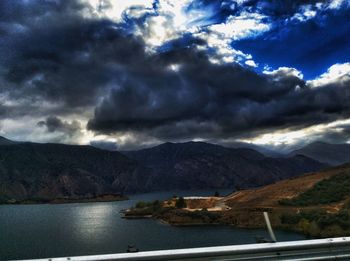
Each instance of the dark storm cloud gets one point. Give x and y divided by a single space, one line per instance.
202 99
53 54
55 124
61 57
70 64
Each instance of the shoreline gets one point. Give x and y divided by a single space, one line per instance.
215 224
66 201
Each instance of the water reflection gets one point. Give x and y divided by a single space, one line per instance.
92 221
39 231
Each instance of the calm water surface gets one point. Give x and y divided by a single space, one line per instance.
37 231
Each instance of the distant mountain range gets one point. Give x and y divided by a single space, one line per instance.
195 165
50 171
332 154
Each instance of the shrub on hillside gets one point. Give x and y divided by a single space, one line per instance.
180 203
326 191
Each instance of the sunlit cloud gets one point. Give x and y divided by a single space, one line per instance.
251 63
284 71
114 9
246 25
289 138
310 11
221 36
337 73
305 13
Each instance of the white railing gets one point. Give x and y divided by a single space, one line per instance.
303 250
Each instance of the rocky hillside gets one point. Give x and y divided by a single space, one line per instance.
332 154
194 165
50 171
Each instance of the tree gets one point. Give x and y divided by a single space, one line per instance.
157 205
180 203
142 204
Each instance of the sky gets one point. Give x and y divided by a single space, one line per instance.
129 74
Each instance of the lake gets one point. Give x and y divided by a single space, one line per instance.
38 231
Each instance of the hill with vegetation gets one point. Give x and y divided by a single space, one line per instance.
316 204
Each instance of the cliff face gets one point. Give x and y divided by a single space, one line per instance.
49 171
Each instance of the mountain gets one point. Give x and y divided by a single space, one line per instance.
4 141
332 154
54 171
50 171
263 150
198 165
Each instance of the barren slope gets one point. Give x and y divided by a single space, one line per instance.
269 196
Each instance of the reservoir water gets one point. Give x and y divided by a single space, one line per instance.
56 230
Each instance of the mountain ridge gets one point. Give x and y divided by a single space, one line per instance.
49 171
332 154
223 166
4 141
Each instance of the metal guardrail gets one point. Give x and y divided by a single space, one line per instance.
303 250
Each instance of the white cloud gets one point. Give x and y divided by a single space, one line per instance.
289 137
284 71
224 53
246 25
126 140
167 21
26 129
219 37
251 63
174 10
336 73
157 30
336 4
113 9
306 12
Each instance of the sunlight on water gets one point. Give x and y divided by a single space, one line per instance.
39 231
91 222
